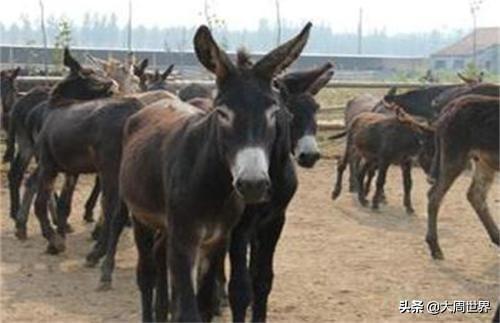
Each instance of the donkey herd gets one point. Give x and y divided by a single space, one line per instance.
200 174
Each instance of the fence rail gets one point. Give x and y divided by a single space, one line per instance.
36 80
27 82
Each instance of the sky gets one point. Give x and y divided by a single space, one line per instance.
394 16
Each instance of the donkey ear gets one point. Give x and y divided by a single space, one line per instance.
322 80
15 72
392 91
210 55
70 62
141 67
281 57
167 72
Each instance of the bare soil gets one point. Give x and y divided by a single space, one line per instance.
336 261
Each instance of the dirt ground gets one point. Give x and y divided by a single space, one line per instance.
336 261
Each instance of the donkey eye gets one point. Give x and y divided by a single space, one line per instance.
225 115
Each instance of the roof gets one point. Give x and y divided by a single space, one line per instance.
486 37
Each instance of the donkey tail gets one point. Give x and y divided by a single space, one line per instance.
436 161
338 135
11 142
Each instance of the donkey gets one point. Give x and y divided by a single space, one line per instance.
296 91
159 80
466 130
488 89
63 141
197 174
193 90
123 73
9 93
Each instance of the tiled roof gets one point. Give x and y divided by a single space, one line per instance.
486 37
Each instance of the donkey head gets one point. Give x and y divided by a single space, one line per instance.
82 83
426 135
140 72
159 80
297 91
417 102
122 73
246 109
8 86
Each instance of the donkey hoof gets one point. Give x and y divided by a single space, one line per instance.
410 211
437 255
91 260
104 286
363 202
88 217
21 234
334 195
52 250
68 228
56 245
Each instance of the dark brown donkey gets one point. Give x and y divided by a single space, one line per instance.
198 171
71 142
297 90
466 130
8 93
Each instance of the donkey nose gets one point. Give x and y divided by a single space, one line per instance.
308 159
254 190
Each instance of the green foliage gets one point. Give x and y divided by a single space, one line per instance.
62 39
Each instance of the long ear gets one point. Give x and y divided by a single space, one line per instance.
210 55
322 80
15 72
308 81
392 91
281 57
139 69
167 72
70 62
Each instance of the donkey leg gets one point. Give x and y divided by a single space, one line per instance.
338 184
381 175
183 257
477 195
447 176
262 265
46 178
92 201
110 202
208 294
369 178
118 221
360 176
161 296
144 241
64 204
27 200
352 178
407 184
240 289
15 177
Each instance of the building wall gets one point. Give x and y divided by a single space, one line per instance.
487 60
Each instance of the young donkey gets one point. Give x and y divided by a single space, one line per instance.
380 141
198 171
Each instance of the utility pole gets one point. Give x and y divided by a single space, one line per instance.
278 22
474 8
129 31
360 32
44 35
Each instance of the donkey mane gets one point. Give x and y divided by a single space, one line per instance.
243 58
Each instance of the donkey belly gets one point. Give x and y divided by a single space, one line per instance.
77 159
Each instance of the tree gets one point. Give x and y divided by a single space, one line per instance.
62 39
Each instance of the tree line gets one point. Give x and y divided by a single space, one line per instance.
103 30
